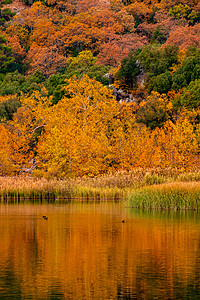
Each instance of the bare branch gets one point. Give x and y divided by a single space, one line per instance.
37 128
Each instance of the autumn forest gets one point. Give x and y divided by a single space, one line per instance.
89 87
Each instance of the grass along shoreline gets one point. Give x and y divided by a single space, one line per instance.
163 189
113 186
20 188
171 196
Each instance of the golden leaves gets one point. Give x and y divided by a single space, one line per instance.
88 133
76 134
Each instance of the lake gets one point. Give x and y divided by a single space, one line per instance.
84 251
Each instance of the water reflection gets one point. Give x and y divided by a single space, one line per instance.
84 251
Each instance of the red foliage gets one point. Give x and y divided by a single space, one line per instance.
45 59
185 37
118 46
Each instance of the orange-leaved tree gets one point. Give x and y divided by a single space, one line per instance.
176 145
7 151
78 135
27 124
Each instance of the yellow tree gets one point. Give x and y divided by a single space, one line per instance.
176 145
77 138
138 147
7 163
27 123
184 144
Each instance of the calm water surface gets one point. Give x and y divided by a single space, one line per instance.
84 251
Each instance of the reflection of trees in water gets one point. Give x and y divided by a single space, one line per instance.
152 277
83 255
33 249
154 280
197 264
135 292
55 292
10 283
192 289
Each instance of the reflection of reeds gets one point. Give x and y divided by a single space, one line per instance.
112 186
174 195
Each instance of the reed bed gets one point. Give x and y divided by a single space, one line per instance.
111 186
172 196
20 188
133 179
16 188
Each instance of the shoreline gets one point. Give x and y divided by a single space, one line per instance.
147 189
167 196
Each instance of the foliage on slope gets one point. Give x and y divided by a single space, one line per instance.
59 114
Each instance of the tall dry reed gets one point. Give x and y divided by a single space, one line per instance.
18 188
109 186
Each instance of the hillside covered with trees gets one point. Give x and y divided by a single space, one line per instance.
89 87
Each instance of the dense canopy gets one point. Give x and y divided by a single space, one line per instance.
90 87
